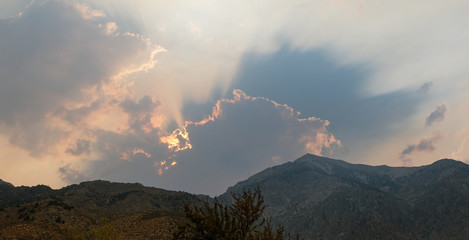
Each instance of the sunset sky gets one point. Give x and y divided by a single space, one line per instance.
198 95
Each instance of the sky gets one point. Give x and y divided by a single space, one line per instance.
198 95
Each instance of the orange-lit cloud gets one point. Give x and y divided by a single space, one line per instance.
141 151
178 140
162 166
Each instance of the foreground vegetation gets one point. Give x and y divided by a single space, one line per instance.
241 220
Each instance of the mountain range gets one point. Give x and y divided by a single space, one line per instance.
318 197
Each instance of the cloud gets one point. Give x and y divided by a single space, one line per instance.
58 67
425 88
400 48
314 84
241 136
81 146
79 84
392 48
11 8
143 114
424 145
436 116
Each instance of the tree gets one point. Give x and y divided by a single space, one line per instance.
241 220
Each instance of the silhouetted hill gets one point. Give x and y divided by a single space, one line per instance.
323 198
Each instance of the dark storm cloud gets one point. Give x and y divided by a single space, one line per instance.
436 116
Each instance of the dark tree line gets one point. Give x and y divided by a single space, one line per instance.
241 220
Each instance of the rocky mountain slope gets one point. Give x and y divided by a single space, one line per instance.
323 198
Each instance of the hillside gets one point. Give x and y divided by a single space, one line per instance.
91 210
323 198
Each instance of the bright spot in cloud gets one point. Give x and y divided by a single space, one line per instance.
178 140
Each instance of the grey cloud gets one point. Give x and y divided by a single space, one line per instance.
118 159
141 112
76 115
48 55
244 135
126 156
318 86
425 88
436 116
425 145
241 136
35 138
145 104
81 146
72 175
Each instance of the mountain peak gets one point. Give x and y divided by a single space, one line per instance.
448 162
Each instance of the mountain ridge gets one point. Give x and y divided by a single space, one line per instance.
324 198
318 197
